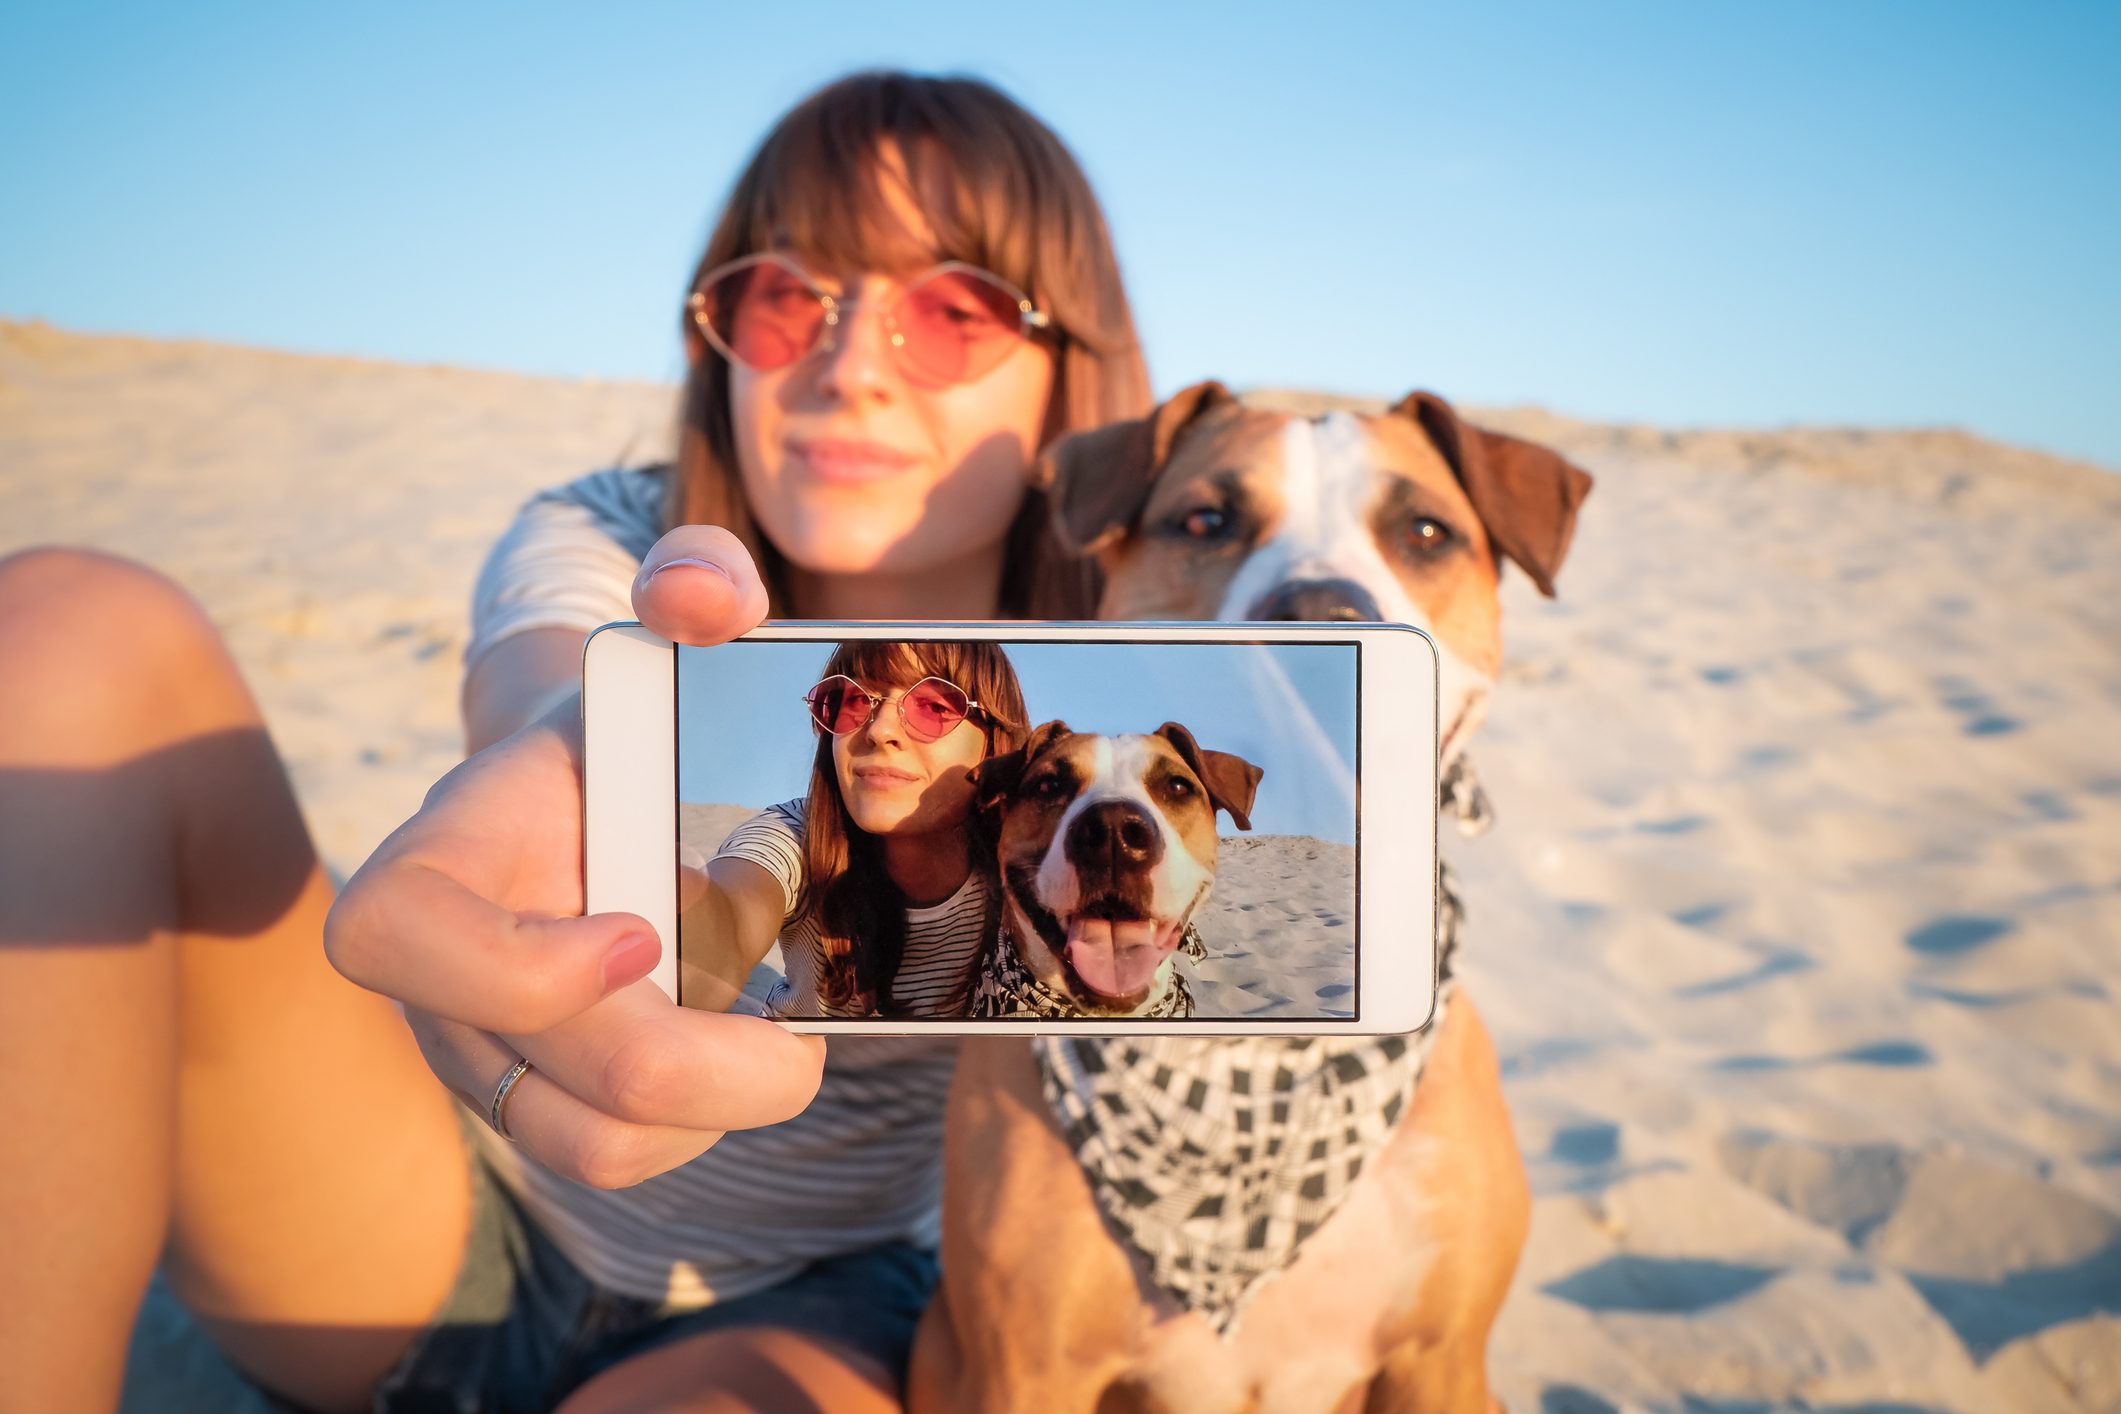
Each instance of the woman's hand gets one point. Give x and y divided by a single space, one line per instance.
469 915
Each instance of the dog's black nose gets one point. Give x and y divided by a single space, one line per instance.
1116 835
1316 601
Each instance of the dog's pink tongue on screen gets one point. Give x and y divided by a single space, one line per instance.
1117 959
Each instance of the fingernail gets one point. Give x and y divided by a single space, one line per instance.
695 563
630 959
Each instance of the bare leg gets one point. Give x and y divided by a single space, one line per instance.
747 1370
178 1061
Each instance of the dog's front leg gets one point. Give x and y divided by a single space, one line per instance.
1475 1198
1039 1309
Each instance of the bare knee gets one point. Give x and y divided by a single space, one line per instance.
94 644
54 590
745 1370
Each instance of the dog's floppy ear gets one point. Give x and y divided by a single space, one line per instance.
1524 494
994 779
1231 780
1098 480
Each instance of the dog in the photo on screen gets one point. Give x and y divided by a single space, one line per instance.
1107 850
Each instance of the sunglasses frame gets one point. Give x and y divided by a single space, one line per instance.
876 706
1030 319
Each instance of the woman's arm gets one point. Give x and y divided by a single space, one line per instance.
517 681
732 911
733 914
682 591
469 914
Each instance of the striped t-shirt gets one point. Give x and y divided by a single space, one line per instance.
863 1164
941 940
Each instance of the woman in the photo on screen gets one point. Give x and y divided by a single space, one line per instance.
879 882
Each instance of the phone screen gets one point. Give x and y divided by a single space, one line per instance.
952 828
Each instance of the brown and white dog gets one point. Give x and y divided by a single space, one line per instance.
1212 509
1107 850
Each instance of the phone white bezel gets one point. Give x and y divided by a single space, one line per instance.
630 831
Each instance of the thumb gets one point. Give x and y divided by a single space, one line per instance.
698 585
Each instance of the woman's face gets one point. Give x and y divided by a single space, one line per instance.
852 468
891 782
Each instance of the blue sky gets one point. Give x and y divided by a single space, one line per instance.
1885 213
1287 708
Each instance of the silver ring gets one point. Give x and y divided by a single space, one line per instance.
501 1092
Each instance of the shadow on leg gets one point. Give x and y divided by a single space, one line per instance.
182 1065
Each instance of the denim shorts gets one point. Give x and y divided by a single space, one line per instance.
523 1327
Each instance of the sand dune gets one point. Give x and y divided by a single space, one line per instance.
1278 930
1797 928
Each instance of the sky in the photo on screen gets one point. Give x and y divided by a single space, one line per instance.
744 736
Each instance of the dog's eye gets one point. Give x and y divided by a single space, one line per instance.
1209 523
1425 534
1178 788
1046 787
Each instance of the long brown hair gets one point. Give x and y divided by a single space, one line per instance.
1000 191
845 880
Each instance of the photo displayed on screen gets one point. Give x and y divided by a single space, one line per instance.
1019 830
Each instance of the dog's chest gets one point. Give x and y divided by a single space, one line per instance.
1319 1329
1215 1160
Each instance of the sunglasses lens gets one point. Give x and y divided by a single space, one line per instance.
957 326
932 707
838 706
762 315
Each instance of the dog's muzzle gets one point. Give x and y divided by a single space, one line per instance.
1316 601
1114 839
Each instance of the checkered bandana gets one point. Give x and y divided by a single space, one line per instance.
1215 1157
1008 987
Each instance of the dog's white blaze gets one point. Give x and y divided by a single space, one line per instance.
1329 478
1328 482
1119 769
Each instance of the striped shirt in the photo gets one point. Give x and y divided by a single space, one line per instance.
941 941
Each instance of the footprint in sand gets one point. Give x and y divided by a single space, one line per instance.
1781 963
1957 933
2048 806
1851 1188
1767 758
1676 825
1586 1144
1894 1054
1978 710
1666 1286
1978 1001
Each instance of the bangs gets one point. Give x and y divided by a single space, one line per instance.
981 669
838 183
878 663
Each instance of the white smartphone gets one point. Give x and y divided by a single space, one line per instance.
1100 828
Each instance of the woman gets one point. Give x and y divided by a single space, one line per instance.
879 883
311 1207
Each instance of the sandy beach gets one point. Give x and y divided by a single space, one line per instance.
1799 927
1278 930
